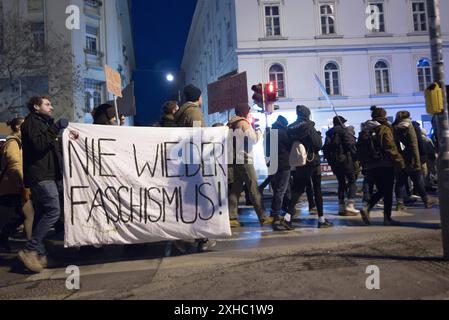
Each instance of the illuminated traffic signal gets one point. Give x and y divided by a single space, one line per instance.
271 92
258 94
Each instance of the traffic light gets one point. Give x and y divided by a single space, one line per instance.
258 94
271 92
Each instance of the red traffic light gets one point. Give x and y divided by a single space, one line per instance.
271 92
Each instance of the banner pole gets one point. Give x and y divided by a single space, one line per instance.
116 111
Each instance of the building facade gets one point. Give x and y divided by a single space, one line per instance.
94 32
365 52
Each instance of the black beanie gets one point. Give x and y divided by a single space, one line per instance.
242 109
378 112
303 112
281 120
103 113
192 93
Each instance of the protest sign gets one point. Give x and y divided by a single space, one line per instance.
113 81
126 185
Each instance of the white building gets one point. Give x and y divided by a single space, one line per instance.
104 37
288 41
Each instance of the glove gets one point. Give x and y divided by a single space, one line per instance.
62 123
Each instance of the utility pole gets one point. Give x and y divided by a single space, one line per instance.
442 119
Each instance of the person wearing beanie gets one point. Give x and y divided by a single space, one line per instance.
190 114
241 167
303 131
407 143
169 110
340 152
104 115
280 181
381 171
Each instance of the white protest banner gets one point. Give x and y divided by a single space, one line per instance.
126 185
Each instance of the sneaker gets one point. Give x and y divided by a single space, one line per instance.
401 207
267 221
313 212
235 224
282 225
429 203
44 261
351 210
391 223
324 225
206 244
365 216
31 261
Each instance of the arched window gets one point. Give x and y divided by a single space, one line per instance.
424 74
277 75
332 79
382 73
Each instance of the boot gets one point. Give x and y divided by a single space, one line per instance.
401 207
365 214
429 203
351 210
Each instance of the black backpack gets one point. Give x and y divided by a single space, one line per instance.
368 146
333 149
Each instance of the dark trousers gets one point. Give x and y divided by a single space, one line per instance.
280 183
310 197
418 182
368 188
346 182
300 178
383 179
14 201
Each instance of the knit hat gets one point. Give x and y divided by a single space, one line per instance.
378 112
303 112
281 120
242 109
103 113
192 93
339 120
402 115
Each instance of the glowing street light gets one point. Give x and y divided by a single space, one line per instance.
170 77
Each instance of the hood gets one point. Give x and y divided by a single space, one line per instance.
371 124
404 124
184 107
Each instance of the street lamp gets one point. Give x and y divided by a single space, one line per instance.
171 78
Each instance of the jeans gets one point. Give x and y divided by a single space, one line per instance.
418 181
245 174
300 178
383 178
47 207
280 183
346 182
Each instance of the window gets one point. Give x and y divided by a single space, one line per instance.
93 94
380 10
382 74
332 79
38 32
327 17
277 76
92 40
272 21
35 6
419 16
424 74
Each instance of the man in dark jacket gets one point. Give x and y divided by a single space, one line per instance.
280 181
190 114
303 130
43 174
381 171
342 160
408 145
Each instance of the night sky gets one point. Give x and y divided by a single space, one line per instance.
160 33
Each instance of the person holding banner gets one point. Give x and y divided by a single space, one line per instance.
43 174
104 115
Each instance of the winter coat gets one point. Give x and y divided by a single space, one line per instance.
348 146
188 114
41 150
407 144
284 146
12 170
168 121
305 132
241 128
391 155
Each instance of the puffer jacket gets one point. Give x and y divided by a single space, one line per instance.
242 129
12 169
305 132
407 144
391 155
188 114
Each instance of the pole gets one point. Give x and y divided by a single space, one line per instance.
442 123
116 111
